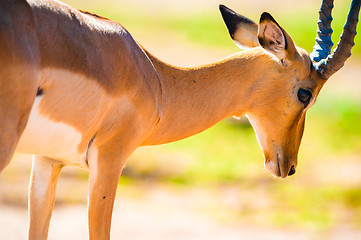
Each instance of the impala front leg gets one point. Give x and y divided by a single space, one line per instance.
44 177
105 171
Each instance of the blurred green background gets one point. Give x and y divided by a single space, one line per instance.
321 201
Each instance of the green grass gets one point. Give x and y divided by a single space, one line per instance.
340 130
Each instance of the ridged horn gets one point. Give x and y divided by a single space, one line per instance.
325 63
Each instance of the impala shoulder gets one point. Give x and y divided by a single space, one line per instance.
13 12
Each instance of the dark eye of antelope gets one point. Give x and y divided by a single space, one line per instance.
304 96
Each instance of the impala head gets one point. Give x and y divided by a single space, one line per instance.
288 78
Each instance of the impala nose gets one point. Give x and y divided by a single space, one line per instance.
292 170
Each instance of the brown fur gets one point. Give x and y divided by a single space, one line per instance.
98 80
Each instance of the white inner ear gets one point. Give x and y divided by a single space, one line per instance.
277 42
275 34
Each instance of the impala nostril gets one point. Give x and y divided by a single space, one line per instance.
292 170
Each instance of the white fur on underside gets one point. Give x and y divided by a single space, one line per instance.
48 138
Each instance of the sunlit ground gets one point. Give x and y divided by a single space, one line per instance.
214 185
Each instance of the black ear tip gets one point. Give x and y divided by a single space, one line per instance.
225 9
266 17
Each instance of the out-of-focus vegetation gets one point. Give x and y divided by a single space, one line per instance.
324 194
207 27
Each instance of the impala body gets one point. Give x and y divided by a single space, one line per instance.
78 90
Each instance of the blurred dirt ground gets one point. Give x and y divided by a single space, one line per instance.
158 212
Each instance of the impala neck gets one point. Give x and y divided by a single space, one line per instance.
195 99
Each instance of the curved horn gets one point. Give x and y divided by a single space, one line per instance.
324 43
325 63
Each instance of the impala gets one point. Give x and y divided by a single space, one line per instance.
78 90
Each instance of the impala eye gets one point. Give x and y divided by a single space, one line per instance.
304 96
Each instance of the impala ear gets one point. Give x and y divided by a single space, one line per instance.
274 39
242 30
